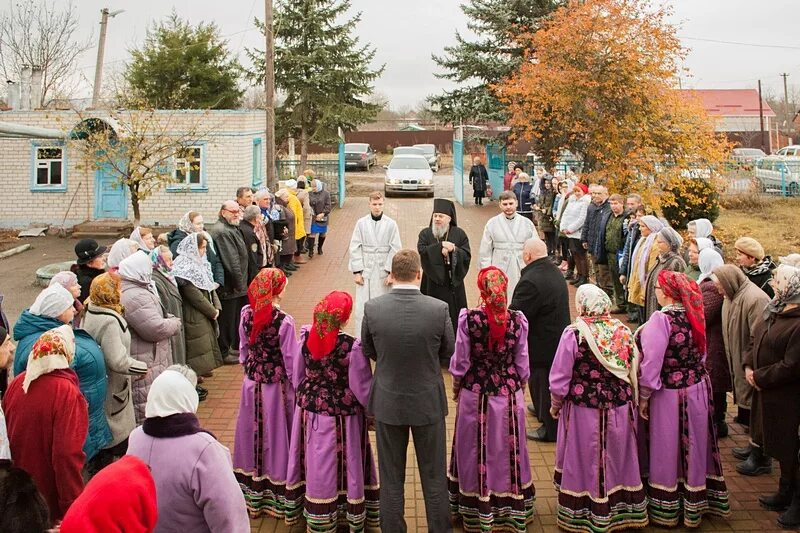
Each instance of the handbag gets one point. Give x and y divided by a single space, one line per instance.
489 191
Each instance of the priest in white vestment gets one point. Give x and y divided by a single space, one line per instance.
504 238
375 240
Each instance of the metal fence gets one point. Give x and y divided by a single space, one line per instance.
326 170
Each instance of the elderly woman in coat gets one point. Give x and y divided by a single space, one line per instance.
716 358
170 296
742 310
103 320
121 250
52 309
668 243
772 367
69 280
150 328
643 258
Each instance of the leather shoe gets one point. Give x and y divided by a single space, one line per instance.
231 360
539 435
532 409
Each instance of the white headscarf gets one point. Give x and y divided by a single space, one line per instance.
291 184
791 260
136 236
646 243
192 267
139 268
703 243
709 259
171 393
52 301
53 350
121 250
703 228
65 278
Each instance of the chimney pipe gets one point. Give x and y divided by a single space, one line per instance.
36 88
13 95
25 89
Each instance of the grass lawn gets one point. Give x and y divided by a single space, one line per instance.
774 222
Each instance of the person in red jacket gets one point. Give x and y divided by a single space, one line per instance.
47 419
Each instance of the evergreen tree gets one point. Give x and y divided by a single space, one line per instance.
321 70
183 66
494 56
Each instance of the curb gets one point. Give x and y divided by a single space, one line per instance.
14 251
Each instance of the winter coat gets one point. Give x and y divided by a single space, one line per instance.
692 271
631 239
171 304
636 286
574 216
85 276
320 202
196 488
255 252
760 275
288 243
740 315
150 334
775 360
546 201
175 237
669 261
88 364
523 190
46 428
614 237
200 327
233 255
302 196
297 209
594 229
716 359
111 332
479 179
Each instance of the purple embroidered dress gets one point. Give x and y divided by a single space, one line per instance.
684 474
596 471
332 479
489 477
263 428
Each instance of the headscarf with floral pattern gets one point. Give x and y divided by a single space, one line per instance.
265 286
106 291
609 339
683 289
493 286
330 315
54 350
786 283
160 263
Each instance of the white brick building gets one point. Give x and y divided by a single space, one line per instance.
45 181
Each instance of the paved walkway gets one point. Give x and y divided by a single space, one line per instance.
329 272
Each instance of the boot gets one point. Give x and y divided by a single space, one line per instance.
755 465
321 242
780 500
310 246
743 452
742 416
569 276
791 518
722 429
582 280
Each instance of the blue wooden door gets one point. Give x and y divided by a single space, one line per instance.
495 166
458 170
110 196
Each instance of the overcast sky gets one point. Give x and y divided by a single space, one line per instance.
406 32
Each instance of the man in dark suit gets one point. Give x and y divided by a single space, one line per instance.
407 334
542 296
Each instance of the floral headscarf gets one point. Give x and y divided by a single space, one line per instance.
53 351
330 315
185 223
493 286
608 338
646 243
683 289
191 266
106 292
786 283
265 286
160 264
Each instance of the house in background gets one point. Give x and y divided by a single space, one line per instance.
45 182
736 114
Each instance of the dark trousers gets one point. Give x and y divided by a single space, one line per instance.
539 383
228 321
300 246
550 241
616 286
563 243
429 445
579 254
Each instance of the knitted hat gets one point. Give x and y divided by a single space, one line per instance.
751 247
583 187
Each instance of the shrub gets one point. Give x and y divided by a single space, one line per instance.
686 199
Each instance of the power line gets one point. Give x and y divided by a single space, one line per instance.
739 43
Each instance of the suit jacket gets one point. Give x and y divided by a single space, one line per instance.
407 334
542 296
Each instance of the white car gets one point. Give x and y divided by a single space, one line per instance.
776 172
408 174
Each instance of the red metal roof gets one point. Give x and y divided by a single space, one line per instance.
730 102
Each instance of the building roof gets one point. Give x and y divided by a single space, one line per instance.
730 102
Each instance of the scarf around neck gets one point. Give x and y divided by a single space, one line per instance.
172 426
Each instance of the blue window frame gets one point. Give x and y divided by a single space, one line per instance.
189 168
258 162
48 166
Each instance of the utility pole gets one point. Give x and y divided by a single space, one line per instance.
101 51
269 90
761 118
786 118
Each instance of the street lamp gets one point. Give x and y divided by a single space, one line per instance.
101 50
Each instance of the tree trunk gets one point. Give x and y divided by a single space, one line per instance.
135 205
303 147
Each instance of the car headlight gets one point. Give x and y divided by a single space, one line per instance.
425 181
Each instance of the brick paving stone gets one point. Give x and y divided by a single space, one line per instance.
329 272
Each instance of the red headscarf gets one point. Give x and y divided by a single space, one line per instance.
493 285
265 286
329 316
683 289
121 497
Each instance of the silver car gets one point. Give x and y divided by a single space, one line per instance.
409 174
431 154
775 172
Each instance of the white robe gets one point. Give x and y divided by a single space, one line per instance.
372 248
502 244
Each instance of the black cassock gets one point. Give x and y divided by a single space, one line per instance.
441 280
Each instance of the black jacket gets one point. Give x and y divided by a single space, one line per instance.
175 237
542 296
594 229
233 255
85 276
255 254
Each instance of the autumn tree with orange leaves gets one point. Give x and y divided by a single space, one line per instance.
601 83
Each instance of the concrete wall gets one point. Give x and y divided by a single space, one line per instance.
228 164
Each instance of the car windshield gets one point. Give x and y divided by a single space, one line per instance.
408 163
407 150
427 149
355 147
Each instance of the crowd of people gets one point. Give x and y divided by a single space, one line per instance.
98 427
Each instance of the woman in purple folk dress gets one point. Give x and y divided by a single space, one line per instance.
490 482
267 348
332 479
593 387
684 471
